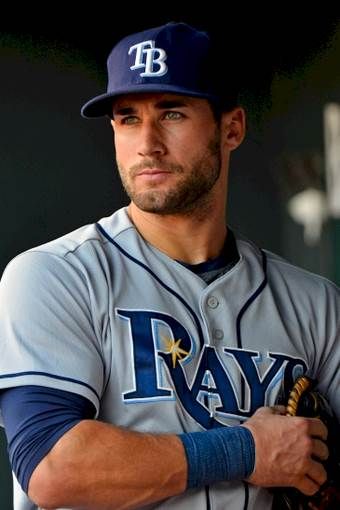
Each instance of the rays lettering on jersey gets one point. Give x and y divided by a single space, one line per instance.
209 394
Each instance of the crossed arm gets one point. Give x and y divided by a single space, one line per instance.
99 466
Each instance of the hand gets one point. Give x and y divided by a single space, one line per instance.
288 450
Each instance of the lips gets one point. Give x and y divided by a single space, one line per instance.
153 176
152 171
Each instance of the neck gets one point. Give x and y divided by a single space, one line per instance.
191 238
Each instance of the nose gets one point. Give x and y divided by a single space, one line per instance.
151 142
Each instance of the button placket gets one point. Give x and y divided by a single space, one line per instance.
218 334
212 302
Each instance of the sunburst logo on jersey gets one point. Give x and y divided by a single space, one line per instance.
173 347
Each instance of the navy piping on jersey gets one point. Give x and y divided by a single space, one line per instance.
250 300
51 376
207 497
246 495
166 287
242 312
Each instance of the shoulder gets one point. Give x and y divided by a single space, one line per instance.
285 277
282 270
73 251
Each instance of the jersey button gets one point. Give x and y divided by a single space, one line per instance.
212 302
218 334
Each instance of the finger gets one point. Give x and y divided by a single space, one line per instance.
317 428
307 486
317 472
319 449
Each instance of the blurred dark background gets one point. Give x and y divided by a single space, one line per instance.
57 170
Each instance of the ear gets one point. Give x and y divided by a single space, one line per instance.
233 128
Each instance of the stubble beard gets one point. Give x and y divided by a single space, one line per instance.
191 192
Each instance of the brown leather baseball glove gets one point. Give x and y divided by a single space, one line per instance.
305 400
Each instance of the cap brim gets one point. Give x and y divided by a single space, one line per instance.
101 105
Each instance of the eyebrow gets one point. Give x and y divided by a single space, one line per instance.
171 103
165 104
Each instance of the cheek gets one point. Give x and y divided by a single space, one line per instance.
124 152
194 141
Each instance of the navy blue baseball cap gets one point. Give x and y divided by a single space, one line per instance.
173 58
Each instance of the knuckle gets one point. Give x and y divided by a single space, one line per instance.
304 465
302 426
306 446
316 422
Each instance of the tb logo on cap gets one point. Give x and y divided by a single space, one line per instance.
153 57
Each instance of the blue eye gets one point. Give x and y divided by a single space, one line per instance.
131 119
173 115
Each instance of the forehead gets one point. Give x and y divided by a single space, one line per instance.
158 101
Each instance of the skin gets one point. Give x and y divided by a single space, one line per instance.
173 159
177 143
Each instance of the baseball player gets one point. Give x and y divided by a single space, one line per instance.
141 356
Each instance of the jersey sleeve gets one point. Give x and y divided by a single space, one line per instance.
47 333
328 348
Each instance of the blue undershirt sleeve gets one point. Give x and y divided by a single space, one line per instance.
35 417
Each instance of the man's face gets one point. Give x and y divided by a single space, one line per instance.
168 151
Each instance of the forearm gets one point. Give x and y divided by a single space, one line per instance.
99 466
65 457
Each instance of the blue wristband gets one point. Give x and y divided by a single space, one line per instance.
225 453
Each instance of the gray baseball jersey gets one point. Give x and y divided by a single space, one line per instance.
102 313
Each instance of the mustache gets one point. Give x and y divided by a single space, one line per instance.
153 163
